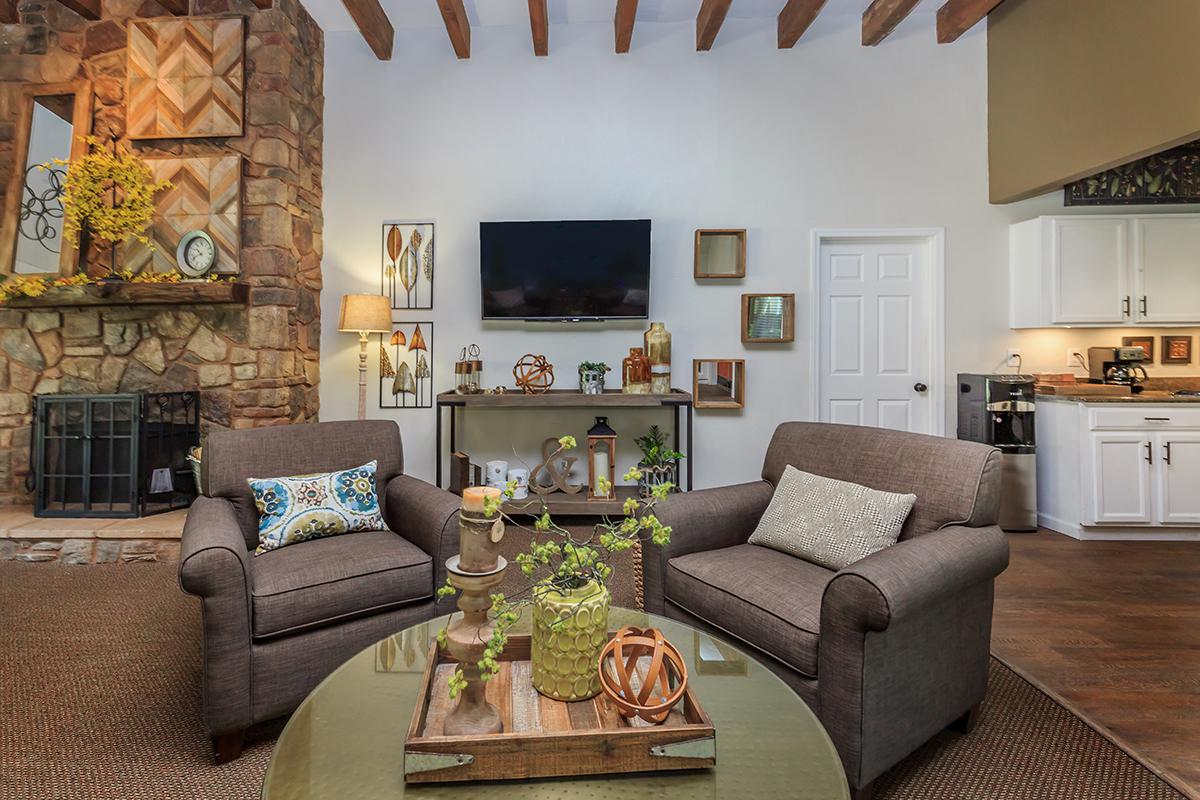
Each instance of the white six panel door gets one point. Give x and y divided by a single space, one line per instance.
874 334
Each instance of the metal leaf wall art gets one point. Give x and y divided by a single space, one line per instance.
407 264
406 366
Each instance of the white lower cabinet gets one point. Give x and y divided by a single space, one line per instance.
1178 467
1121 478
1106 470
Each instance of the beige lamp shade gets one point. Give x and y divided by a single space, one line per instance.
365 313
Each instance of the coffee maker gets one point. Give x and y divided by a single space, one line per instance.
999 410
1121 366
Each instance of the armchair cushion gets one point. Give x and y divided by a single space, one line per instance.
303 507
333 579
768 599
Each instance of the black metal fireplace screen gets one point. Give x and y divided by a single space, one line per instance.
114 455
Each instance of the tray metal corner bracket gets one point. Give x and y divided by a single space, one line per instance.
692 748
429 762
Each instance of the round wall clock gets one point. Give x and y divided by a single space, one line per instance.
196 254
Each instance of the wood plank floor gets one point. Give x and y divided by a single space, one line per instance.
1111 630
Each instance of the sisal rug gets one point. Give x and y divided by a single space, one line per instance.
99 700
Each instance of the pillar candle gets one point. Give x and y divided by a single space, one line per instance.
600 465
473 497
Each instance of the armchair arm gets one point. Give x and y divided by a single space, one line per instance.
426 516
897 582
904 642
706 519
214 563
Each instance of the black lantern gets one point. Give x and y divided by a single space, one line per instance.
602 457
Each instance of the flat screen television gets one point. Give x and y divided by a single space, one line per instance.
565 270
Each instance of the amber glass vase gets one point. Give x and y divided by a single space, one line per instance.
635 372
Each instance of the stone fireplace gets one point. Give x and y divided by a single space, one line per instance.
253 353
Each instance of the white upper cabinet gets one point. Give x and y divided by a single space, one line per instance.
1105 271
1166 259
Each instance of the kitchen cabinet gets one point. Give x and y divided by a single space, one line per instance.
1105 271
1130 470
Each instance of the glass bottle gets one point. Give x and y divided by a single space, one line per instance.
658 353
635 372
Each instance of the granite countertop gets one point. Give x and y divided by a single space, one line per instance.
1148 396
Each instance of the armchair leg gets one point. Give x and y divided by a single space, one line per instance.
967 722
864 792
227 747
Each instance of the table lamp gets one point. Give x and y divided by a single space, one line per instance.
364 314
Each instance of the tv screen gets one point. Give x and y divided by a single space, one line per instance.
565 270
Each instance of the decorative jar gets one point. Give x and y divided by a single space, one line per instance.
635 372
570 627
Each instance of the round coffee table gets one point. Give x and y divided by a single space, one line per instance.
347 737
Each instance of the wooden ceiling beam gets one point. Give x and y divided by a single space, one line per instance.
458 27
957 17
882 17
709 21
539 26
262 5
374 25
88 9
623 23
794 20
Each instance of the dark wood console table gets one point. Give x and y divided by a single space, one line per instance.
679 401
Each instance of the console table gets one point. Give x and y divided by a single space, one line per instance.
679 401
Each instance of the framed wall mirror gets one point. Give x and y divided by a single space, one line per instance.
718 383
720 254
53 120
768 318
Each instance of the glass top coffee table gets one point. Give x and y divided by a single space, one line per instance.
347 738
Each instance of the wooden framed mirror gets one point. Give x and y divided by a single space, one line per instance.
53 121
720 254
768 318
718 383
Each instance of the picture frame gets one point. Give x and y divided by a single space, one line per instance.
408 264
1177 349
719 254
1144 342
768 318
406 365
719 383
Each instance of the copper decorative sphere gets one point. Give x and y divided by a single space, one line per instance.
661 686
533 374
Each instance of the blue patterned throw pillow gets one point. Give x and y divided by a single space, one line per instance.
306 507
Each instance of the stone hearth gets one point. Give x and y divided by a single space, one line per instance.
24 537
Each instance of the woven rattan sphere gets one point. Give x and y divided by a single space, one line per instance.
662 683
533 374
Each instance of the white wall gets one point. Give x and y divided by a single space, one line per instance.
827 135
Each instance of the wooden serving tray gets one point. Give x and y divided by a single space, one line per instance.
544 737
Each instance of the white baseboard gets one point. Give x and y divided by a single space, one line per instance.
1117 533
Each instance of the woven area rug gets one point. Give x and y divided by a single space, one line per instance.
99 699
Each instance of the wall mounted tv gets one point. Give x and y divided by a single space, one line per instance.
566 270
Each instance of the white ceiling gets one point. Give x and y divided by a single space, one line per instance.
331 14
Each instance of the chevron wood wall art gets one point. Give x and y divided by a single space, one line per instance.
206 194
186 77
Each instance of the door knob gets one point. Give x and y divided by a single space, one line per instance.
920 387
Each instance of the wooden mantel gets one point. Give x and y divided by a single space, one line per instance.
128 294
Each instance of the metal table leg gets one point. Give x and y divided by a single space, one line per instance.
691 450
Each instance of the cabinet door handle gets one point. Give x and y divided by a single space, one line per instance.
1142 305
1157 419
1125 306
1149 453
1167 456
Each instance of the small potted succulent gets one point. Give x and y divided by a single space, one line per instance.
659 463
591 377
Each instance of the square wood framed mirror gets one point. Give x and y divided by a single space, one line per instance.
53 121
718 383
720 254
768 318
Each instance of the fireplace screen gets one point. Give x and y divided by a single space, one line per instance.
116 455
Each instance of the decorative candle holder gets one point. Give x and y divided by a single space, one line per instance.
475 572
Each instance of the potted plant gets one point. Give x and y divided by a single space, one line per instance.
591 377
567 591
659 463
108 196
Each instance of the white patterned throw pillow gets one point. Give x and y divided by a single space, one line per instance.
306 507
830 522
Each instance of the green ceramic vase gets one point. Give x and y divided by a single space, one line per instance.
569 629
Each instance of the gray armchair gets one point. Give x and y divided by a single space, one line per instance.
275 625
889 650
